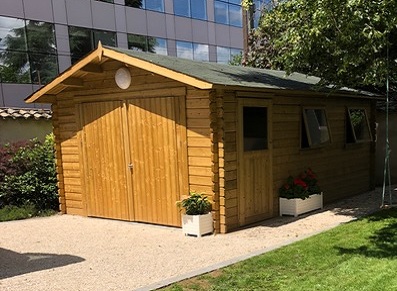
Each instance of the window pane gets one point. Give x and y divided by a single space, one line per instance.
199 9
184 50
255 128
156 5
221 12
134 3
237 2
106 38
14 67
80 42
41 37
359 124
43 67
222 55
200 52
160 47
181 7
316 126
235 15
12 34
137 42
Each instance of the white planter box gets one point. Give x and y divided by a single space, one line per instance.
298 206
197 225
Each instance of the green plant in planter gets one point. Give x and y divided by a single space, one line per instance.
195 204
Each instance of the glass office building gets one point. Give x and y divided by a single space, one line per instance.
41 38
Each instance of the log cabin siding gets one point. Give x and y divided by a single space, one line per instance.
228 166
68 156
342 169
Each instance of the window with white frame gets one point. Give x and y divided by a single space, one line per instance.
315 130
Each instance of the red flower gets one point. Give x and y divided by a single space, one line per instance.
299 182
286 186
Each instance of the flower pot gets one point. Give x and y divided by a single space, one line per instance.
197 225
299 206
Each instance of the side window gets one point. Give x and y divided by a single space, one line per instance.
315 129
357 126
255 128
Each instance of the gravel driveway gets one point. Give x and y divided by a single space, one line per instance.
66 252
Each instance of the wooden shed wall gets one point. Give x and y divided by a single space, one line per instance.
343 169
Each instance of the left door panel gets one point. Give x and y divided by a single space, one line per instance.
105 168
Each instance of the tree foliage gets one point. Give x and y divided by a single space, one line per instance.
344 42
27 174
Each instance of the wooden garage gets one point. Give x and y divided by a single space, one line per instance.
233 133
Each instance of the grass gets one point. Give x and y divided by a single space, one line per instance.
361 255
8 213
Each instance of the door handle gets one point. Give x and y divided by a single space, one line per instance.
130 166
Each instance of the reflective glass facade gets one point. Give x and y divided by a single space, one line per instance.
228 12
37 42
28 52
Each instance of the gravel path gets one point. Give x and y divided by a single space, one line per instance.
66 252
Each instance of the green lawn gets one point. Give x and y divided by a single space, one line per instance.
361 255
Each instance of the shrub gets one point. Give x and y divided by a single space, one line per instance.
27 174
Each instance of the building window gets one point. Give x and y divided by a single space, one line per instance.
83 40
191 8
147 44
192 51
155 5
134 3
315 130
255 128
28 51
107 1
357 127
225 55
228 12
200 52
184 50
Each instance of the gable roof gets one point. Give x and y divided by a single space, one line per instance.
202 75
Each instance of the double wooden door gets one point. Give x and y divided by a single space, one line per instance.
134 157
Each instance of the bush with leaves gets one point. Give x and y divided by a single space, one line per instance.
27 174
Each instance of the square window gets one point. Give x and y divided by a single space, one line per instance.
255 128
160 47
357 127
41 37
155 5
182 8
315 131
235 15
199 9
222 55
137 42
184 50
200 52
221 12
134 3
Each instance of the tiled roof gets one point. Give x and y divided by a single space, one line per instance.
15 113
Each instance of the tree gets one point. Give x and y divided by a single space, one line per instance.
344 42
